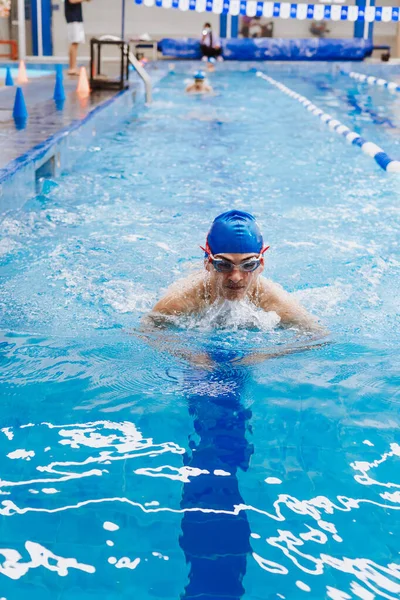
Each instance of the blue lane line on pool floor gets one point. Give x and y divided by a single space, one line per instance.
371 80
350 99
369 148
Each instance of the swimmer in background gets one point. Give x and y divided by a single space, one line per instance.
233 264
199 85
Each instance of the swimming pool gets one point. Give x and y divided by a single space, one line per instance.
128 472
32 71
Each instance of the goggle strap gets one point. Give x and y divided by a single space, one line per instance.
265 249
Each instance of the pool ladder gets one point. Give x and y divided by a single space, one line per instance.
144 76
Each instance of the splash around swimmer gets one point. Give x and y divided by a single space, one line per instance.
233 266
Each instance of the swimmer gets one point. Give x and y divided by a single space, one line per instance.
199 85
233 266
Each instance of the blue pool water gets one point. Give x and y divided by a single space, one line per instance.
32 72
129 472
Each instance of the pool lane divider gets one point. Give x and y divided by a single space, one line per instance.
373 150
371 80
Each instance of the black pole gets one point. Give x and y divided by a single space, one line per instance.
123 21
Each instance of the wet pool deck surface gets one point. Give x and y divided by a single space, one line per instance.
44 119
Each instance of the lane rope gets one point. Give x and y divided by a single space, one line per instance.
371 80
369 148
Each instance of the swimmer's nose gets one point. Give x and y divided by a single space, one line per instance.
235 276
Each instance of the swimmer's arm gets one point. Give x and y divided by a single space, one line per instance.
174 304
275 298
186 301
267 354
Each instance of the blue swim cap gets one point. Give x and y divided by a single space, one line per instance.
235 231
199 75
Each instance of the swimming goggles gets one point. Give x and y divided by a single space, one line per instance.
222 265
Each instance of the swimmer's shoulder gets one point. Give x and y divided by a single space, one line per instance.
268 293
271 296
185 296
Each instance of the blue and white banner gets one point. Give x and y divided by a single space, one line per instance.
282 10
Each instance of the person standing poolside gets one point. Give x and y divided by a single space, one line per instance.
199 85
75 31
210 44
233 264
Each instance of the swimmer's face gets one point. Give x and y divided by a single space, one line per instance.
199 83
236 284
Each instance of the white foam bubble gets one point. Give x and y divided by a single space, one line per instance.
273 480
109 526
127 296
7 432
221 473
303 586
24 454
233 316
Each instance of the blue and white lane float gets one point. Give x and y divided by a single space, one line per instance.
369 148
371 80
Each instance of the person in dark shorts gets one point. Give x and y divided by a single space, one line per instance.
210 43
75 31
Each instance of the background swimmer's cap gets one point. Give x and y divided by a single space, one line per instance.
235 231
199 75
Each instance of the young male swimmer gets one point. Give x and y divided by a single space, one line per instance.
199 85
234 262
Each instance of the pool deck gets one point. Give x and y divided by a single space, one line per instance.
44 119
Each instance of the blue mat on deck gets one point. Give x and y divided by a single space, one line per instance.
273 49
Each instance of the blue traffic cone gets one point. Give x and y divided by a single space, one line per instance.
59 93
9 79
59 104
59 71
20 112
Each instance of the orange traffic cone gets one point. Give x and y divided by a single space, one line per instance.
83 89
22 76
